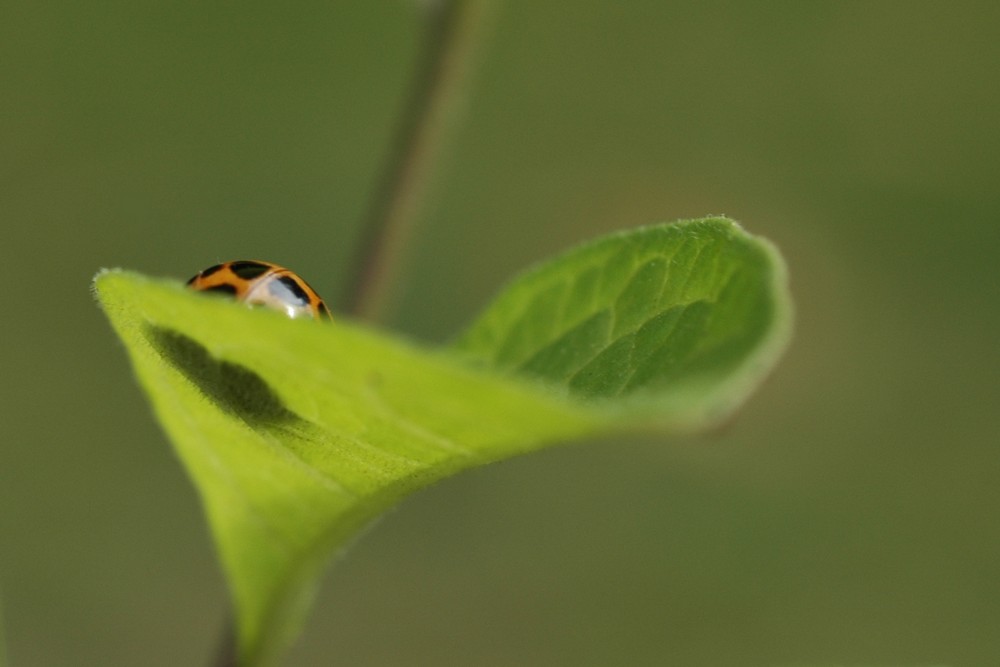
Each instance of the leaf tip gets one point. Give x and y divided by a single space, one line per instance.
101 275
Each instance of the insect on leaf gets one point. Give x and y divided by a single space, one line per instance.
298 433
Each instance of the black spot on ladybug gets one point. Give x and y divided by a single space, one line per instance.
204 274
210 270
285 284
248 270
223 288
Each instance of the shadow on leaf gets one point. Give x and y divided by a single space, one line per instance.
233 388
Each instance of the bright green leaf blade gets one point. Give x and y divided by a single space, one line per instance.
675 323
297 433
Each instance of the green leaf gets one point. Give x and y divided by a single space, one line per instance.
671 323
298 433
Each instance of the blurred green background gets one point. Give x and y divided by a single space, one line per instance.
847 516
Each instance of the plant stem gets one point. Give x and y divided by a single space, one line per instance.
226 652
440 84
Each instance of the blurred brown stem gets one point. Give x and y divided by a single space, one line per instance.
226 651
453 34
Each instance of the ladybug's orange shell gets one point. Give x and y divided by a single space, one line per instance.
254 282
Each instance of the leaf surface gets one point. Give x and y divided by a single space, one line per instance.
298 433
674 323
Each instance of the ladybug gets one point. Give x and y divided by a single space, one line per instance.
263 283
